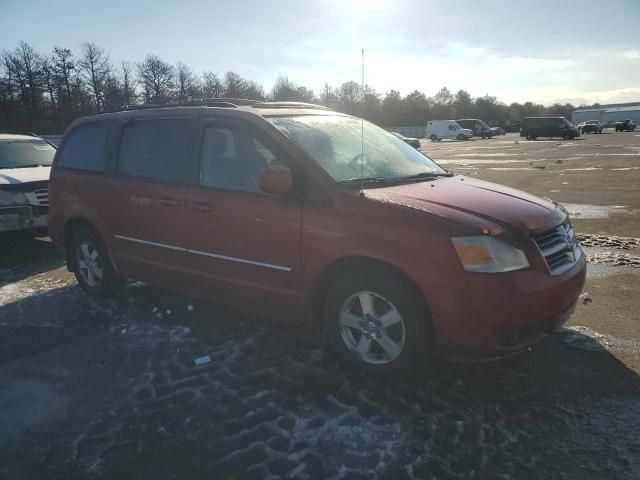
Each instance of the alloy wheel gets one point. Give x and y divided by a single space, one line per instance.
89 264
372 328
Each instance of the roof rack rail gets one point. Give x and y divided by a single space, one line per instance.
202 102
288 105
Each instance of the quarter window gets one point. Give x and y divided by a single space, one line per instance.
85 148
232 158
158 149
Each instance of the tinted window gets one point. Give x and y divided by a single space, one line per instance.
85 148
232 158
25 153
156 149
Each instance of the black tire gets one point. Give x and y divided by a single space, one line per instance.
433 137
110 282
460 137
418 350
529 137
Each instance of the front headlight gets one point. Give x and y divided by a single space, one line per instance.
487 254
13 198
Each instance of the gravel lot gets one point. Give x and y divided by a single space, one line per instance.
108 389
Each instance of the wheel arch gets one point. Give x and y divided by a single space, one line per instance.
348 264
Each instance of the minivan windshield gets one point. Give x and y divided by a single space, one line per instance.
25 153
335 143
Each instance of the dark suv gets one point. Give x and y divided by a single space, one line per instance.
477 126
318 217
625 125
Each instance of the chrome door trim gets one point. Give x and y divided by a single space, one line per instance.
154 244
241 260
206 254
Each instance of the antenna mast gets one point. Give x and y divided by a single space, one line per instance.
362 129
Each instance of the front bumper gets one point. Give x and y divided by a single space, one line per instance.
498 314
22 217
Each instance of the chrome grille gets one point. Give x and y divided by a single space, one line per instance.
42 197
559 247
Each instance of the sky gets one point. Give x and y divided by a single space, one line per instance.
543 51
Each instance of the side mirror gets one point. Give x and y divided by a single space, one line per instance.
276 180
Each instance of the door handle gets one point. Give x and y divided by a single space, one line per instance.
169 202
202 206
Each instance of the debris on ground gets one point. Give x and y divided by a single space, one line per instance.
202 360
559 161
585 298
123 331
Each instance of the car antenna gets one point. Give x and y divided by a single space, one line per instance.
362 130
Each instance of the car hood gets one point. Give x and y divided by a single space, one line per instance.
475 203
14 176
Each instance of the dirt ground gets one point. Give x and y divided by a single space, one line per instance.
107 388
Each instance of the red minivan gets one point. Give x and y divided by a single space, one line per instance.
318 217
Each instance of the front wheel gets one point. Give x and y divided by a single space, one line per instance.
92 266
460 137
377 325
433 137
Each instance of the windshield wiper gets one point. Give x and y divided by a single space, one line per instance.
356 180
424 175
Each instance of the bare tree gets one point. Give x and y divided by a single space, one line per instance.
128 86
212 87
285 89
63 67
253 90
156 77
96 68
186 83
234 85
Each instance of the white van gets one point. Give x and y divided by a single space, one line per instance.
439 129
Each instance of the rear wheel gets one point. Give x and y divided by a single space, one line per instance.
377 325
92 266
433 137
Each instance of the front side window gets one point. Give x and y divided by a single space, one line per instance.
85 148
157 149
336 144
232 158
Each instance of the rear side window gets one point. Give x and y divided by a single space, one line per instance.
85 148
158 149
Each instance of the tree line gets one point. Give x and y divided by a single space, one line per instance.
44 91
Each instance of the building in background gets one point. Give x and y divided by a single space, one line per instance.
608 116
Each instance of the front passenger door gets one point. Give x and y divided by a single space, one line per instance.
243 243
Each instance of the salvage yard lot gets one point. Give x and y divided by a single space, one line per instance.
93 388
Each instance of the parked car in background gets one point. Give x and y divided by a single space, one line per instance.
414 142
25 162
497 131
592 126
534 127
626 125
477 126
319 218
449 129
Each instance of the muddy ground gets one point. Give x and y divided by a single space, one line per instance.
108 389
